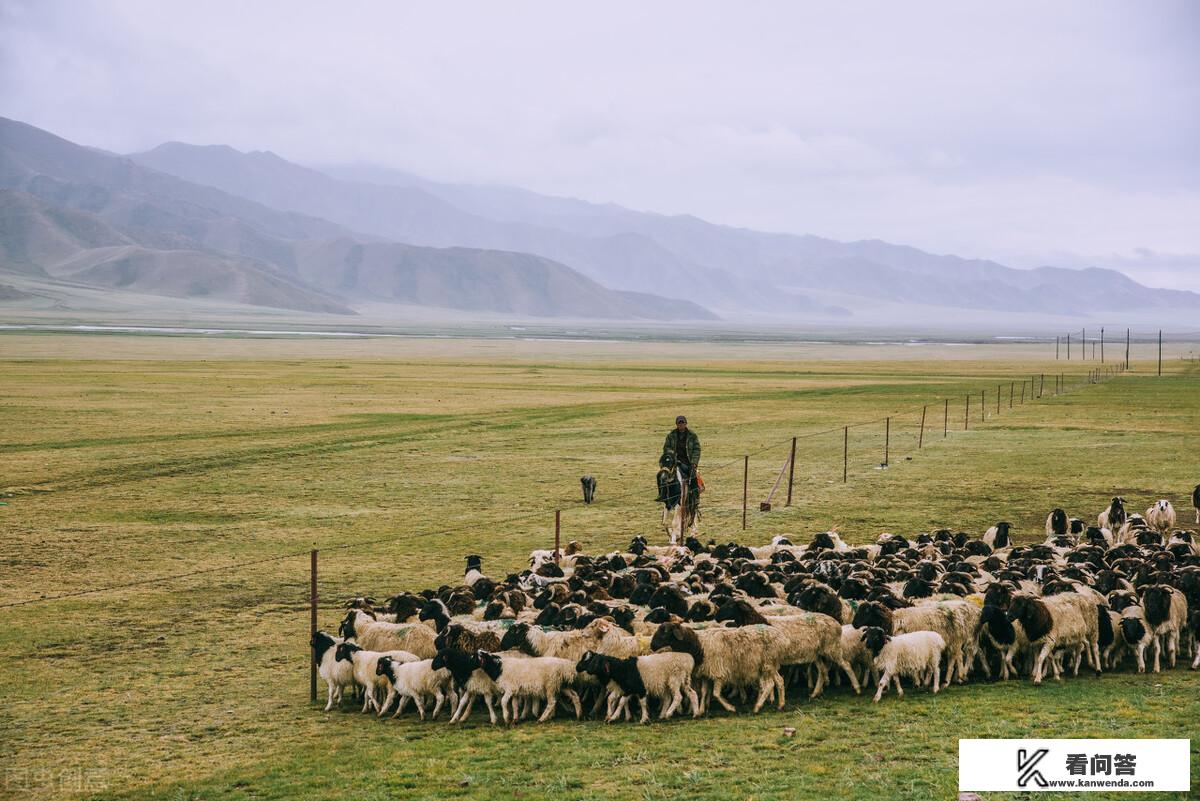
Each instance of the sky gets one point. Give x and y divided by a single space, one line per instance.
1063 133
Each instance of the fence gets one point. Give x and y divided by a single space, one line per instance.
991 401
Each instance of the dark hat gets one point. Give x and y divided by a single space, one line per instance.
681 419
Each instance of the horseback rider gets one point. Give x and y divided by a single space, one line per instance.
683 444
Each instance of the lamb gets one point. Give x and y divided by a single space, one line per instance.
371 635
810 638
415 679
916 654
1070 620
336 675
737 657
1166 614
957 621
364 665
665 677
539 678
1114 516
1161 516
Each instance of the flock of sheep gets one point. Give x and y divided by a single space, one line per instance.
679 627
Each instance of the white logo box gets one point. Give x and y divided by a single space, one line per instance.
1075 765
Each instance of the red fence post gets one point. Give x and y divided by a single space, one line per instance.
312 625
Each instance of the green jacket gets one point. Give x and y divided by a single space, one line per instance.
692 445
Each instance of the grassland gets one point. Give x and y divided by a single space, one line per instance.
129 457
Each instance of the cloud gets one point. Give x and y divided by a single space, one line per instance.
1020 131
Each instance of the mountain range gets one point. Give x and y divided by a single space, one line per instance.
191 221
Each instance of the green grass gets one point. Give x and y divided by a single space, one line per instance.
128 457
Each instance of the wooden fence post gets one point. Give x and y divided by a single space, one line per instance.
946 420
1102 345
998 386
983 405
967 414
745 488
1041 385
845 454
558 532
312 624
887 439
791 471
921 436
1011 385
1126 348
1160 352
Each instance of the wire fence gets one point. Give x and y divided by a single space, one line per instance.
956 414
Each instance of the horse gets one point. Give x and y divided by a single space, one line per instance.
679 493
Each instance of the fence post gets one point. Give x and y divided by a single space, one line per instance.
921 436
967 414
1056 340
1041 385
745 488
998 386
1022 390
887 439
1160 352
1068 347
845 454
1126 348
1083 344
312 624
983 405
946 420
1011 385
557 534
1102 345
791 471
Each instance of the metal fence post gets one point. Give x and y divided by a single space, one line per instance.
312 625
791 471
745 488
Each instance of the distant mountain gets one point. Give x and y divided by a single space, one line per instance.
74 214
423 213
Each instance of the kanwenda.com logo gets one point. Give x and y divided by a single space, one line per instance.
1089 783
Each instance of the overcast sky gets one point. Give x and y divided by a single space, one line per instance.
1031 133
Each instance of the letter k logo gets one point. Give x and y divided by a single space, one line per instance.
1026 763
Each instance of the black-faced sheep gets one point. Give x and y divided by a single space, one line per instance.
916 654
539 678
415 679
665 677
734 657
372 635
1070 621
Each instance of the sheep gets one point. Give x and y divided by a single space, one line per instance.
1114 516
916 654
1137 634
999 535
1161 516
1196 503
614 642
665 677
336 675
371 635
414 679
1069 620
855 654
456 635
957 621
1006 636
1056 524
1166 614
540 678
364 664
536 641
740 656
810 638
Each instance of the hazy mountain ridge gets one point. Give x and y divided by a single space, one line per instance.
71 213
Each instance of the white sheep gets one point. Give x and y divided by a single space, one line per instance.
337 675
1161 516
372 635
539 678
417 680
917 655
365 664
665 677
1069 620
746 656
